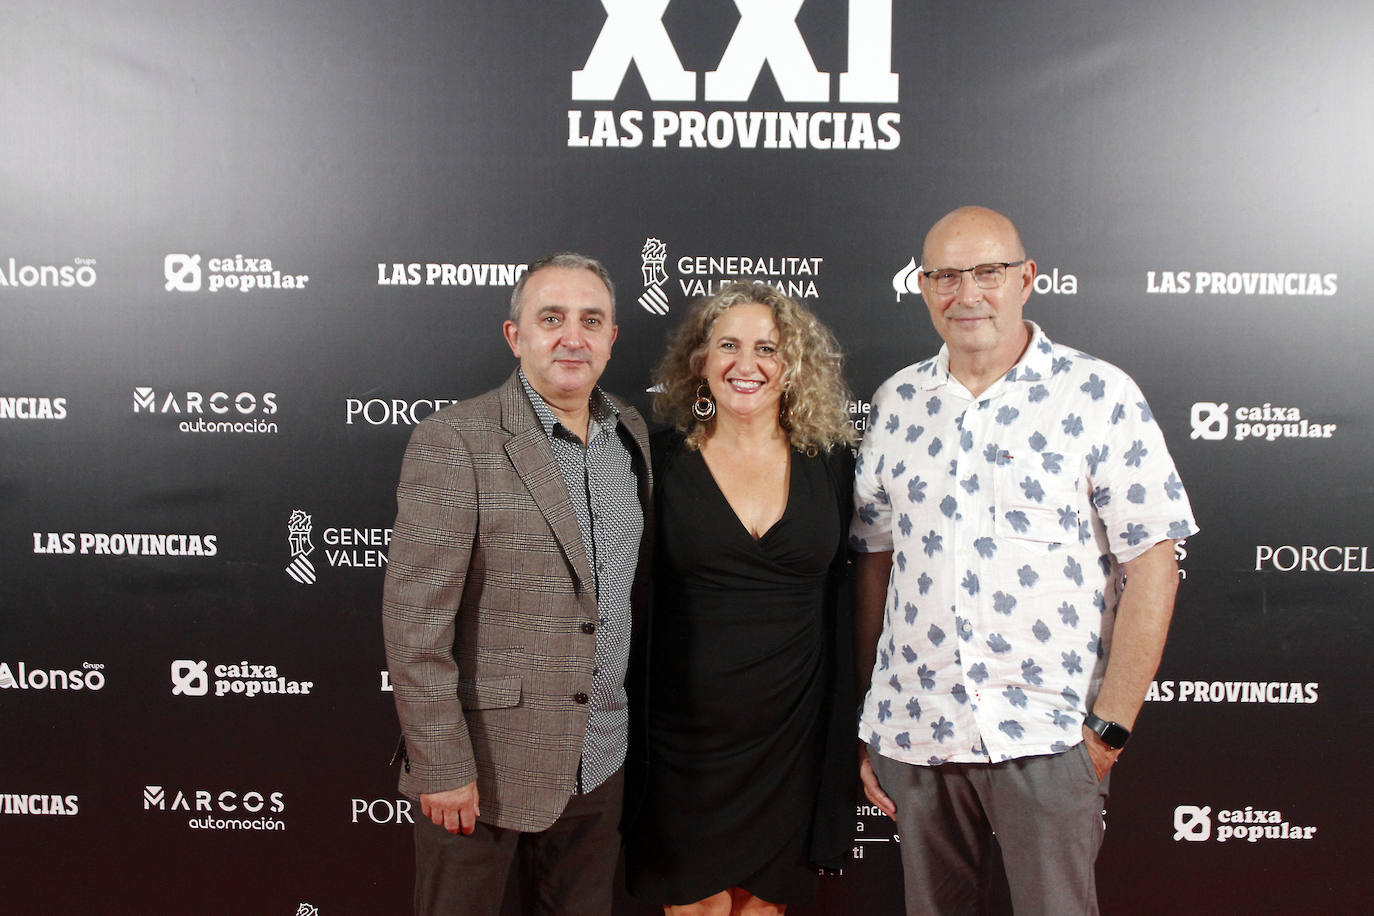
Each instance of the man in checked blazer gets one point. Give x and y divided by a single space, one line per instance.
514 613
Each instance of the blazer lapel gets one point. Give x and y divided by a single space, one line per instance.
532 457
633 422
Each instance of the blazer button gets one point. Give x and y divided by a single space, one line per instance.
589 627
580 697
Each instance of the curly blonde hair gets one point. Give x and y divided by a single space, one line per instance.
815 399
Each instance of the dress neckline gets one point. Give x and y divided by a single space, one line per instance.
739 522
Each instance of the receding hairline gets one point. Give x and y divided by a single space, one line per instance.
563 260
972 216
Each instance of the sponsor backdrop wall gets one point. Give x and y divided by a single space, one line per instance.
243 249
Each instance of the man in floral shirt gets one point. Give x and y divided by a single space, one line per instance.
1007 490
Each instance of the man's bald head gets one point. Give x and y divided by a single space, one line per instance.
971 223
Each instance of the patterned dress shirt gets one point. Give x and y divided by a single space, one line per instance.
1009 516
604 490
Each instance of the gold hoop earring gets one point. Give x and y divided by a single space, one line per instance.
704 407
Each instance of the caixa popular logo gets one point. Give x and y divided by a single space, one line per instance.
1048 282
192 678
346 547
765 32
1199 824
1212 422
190 273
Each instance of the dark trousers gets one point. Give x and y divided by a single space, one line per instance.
1047 812
566 870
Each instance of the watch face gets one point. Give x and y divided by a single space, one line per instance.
1114 736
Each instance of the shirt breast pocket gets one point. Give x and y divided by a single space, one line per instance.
1038 507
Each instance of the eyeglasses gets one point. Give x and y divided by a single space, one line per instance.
988 276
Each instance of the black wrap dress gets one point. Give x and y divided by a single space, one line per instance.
749 691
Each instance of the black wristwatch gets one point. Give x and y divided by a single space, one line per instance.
1113 735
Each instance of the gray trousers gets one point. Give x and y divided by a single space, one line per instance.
566 870
1047 812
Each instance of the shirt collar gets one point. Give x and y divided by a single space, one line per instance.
1034 365
604 413
1037 363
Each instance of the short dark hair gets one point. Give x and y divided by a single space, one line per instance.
567 260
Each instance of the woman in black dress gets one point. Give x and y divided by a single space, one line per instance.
750 739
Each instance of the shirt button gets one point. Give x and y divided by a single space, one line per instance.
588 627
967 627
580 698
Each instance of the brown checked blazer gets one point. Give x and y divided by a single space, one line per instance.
487 590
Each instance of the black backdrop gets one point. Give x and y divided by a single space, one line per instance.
1191 179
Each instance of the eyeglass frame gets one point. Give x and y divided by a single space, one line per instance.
1003 265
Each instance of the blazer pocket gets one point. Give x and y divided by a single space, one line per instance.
490 692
